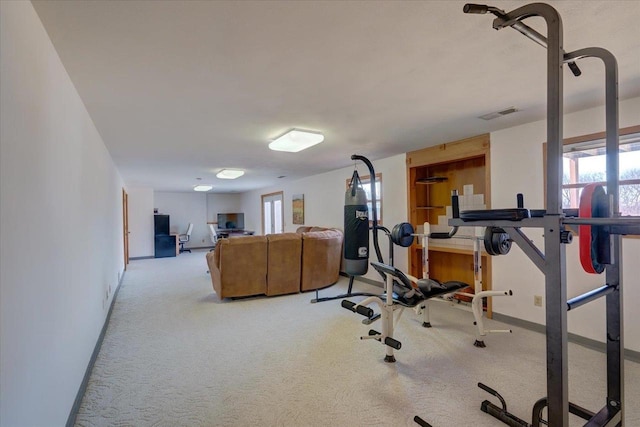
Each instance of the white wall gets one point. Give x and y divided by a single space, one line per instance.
516 166
184 208
141 205
222 203
61 245
324 202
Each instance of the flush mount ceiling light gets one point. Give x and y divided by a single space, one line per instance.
229 174
202 187
296 140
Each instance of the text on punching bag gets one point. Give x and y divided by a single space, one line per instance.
363 251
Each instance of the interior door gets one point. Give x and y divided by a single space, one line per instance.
272 213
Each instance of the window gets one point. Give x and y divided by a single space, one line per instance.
585 162
366 185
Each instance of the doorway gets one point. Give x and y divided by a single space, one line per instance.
272 213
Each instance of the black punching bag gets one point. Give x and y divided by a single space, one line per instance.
356 228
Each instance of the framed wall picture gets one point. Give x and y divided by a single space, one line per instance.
298 208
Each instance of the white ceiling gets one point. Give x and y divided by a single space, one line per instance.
181 89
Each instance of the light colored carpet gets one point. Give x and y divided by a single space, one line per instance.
175 355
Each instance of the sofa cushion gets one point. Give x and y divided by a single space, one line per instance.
284 255
241 265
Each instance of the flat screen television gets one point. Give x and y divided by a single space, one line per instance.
231 221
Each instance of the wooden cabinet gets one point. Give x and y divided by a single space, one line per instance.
432 174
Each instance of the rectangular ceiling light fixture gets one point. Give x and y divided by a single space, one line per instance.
296 140
230 174
202 187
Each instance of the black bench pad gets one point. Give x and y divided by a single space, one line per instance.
406 295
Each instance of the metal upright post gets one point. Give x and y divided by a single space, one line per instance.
613 276
615 315
553 261
556 275
554 250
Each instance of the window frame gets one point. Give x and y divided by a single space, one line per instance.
582 139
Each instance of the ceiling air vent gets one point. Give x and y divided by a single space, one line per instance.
497 114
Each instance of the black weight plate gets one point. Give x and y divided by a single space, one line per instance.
501 242
496 241
402 234
488 237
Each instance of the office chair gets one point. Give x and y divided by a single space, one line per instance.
184 238
213 235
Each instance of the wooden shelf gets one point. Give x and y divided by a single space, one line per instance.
451 166
431 180
451 249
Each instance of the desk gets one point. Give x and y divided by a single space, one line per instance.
177 242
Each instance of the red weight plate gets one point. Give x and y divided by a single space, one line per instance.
585 211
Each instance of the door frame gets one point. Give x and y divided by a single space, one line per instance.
125 226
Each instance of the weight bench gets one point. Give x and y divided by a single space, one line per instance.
405 294
401 293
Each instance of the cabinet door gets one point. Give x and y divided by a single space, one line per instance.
165 246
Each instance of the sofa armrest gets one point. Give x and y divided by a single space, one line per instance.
214 271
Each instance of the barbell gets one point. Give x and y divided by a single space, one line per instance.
496 240
402 234
595 245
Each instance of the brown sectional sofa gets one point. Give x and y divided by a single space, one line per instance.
276 264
